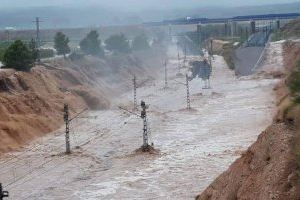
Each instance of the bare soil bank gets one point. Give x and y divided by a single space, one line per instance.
269 168
32 103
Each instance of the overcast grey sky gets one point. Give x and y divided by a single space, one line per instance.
138 4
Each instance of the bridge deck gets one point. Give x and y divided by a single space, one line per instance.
225 20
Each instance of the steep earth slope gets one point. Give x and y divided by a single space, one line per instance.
32 103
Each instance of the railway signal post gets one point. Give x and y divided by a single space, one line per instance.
188 100
135 107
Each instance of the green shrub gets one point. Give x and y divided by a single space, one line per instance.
18 56
118 44
91 44
61 44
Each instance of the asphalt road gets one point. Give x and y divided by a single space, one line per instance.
245 60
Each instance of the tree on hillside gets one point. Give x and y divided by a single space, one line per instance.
91 44
118 44
294 84
61 44
140 42
18 56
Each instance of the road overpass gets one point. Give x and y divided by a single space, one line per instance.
247 18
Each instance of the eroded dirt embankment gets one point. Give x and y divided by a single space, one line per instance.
269 168
32 103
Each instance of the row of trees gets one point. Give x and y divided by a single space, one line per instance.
92 45
21 56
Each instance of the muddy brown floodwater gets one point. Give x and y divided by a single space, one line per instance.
195 146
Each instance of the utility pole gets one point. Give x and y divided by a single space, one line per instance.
211 46
211 54
166 74
188 100
135 107
67 121
3 194
37 24
145 146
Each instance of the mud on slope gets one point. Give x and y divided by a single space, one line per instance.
32 103
265 171
269 168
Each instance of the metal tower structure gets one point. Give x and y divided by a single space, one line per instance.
38 40
188 100
135 107
145 126
67 122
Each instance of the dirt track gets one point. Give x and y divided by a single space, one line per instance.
195 146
